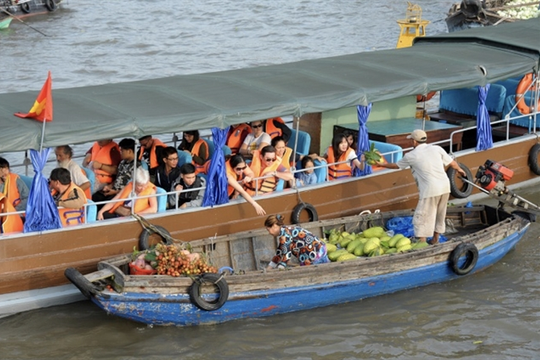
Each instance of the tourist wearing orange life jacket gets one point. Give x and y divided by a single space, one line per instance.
13 187
124 173
236 136
122 207
103 157
237 170
64 159
9 223
197 148
340 152
68 196
257 140
276 127
150 152
265 163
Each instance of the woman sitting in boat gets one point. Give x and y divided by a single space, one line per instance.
146 205
283 152
341 158
257 140
197 147
294 240
237 170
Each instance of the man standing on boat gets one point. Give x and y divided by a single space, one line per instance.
428 163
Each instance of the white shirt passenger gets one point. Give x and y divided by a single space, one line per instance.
253 143
428 163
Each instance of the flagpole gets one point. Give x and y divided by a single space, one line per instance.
42 135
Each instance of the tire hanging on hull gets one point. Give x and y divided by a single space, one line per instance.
471 253
219 283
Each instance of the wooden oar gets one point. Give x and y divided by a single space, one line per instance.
31 27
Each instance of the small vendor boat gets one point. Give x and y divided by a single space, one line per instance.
25 8
242 288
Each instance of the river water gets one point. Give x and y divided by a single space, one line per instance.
491 315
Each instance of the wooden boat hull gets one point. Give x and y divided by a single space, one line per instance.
164 300
37 260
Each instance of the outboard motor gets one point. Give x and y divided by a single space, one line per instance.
492 177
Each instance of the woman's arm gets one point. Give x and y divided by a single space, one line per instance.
108 206
152 209
236 186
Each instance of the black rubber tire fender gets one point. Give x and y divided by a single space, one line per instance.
50 5
534 158
145 235
455 190
25 7
471 253
81 282
312 212
221 285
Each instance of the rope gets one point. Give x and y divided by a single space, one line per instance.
146 225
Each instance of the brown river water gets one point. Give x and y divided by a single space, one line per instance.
491 315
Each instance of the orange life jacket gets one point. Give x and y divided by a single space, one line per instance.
236 137
271 129
337 171
232 173
9 223
286 160
140 204
103 155
72 216
87 192
195 151
268 184
11 192
153 157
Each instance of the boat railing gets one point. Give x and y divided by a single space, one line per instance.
506 121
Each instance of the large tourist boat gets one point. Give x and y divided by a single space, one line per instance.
320 95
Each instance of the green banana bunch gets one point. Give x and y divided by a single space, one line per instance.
372 156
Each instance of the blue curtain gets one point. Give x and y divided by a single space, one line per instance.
484 139
216 179
41 211
363 139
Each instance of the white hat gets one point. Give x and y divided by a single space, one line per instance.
418 135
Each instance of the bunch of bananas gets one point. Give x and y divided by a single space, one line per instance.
372 156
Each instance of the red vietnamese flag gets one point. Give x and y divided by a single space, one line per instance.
43 106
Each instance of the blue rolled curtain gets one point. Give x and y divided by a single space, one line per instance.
484 139
363 139
41 211
216 179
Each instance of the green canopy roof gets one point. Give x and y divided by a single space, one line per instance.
201 101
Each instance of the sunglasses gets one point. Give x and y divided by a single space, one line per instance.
240 168
256 126
266 159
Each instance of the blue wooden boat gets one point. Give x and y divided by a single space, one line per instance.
483 235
